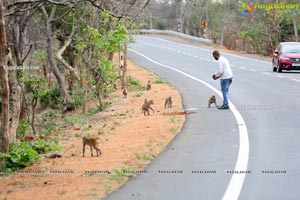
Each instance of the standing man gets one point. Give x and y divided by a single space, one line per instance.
225 74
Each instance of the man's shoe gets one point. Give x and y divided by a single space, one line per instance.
223 107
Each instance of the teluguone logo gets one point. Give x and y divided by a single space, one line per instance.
246 8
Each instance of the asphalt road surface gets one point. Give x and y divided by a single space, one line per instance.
249 152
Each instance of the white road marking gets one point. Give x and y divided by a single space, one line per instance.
279 76
242 68
189 109
253 70
296 80
237 180
266 73
210 50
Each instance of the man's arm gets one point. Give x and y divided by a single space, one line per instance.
219 73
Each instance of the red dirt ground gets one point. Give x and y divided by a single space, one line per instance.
130 141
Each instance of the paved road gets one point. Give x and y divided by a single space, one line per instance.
210 141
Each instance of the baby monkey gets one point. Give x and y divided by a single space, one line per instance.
93 142
212 100
147 106
168 102
148 86
124 93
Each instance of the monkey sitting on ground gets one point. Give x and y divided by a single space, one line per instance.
212 100
124 93
168 102
146 106
93 142
148 86
29 138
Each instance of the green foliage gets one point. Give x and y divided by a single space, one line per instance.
21 155
22 127
161 24
120 175
159 81
40 56
78 96
135 84
286 30
35 85
115 37
51 97
24 154
44 146
252 35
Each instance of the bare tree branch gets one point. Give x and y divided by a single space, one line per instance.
139 12
23 59
64 2
95 4
60 52
62 16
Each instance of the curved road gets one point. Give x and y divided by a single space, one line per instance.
201 162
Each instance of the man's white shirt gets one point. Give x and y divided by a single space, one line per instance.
224 68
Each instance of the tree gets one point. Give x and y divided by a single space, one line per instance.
4 61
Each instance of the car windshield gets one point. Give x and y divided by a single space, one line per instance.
291 48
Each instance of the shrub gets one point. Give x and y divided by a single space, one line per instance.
21 155
44 146
22 127
51 97
24 154
135 84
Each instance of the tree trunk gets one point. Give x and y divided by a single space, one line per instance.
295 25
15 91
58 75
5 85
124 68
98 92
15 88
33 105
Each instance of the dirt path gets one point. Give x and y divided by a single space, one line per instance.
130 141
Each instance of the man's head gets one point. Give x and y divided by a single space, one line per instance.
216 54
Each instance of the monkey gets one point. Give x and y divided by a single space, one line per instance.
146 106
124 93
8 59
168 102
93 143
148 86
29 138
212 100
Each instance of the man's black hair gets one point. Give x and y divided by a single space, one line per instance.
216 53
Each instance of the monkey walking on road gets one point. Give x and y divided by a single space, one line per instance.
212 100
